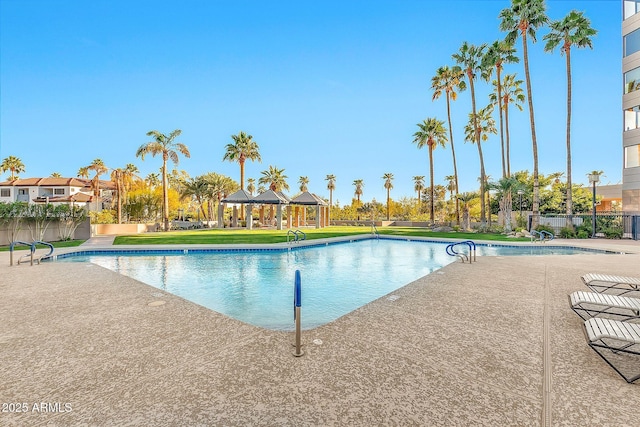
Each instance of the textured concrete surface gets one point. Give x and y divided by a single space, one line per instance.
493 343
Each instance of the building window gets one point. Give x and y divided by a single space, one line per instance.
58 191
632 80
632 156
631 7
23 191
632 118
632 43
5 192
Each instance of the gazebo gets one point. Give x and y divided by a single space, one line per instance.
309 199
240 197
271 197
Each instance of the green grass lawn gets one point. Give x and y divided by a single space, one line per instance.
61 244
227 236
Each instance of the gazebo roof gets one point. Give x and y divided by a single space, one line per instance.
240 196
271 197
307 198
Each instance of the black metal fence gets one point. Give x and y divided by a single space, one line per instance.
608 224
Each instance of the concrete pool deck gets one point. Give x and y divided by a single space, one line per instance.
492 343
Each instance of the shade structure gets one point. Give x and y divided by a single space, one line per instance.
271 197
242 197
309 199
277 198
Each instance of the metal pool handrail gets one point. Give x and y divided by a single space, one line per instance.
296 235
32 251
471 256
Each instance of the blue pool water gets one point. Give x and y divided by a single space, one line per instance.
256 287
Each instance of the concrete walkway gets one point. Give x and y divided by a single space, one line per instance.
493 343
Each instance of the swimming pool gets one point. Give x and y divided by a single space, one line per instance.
256 286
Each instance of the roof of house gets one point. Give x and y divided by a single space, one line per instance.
56 182
78 198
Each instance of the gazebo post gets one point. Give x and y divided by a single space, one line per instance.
279 217
220 215
234 217
318 219
262 214
289 209
249 216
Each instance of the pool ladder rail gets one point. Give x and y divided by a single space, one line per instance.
374 230
32 251
541 236
464 257
296 235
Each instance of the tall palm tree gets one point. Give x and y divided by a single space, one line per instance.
304 182
83 172
431 132
573 30
447 80
470 58
388 185
251 185
478 128
498 53
243 148
117 176
418 185
99 168
55 175
275 178
523 18
169 149
451 186
331 185
512 93
12 164
358 183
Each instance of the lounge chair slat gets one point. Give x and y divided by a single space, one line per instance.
594 304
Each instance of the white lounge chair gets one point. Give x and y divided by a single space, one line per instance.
619 285
613 339
593 304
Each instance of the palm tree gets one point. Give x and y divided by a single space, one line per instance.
573 30
358 183
251 185
478 128
152 180
451 186
275 178
99 168
469 57
431 133
466 198
169 149
197 188
243 148
83 172
304 182
55 175
418 185
512 93
498 53
331 185
117 175
524 17
388 185
505 188
12 164
448 80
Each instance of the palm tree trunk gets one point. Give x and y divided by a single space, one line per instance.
483 213
536 183
455 167
569 183
431 190
507 143
119 190
330 204
504 168
165 196
388 204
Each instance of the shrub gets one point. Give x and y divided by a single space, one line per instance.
613 233
546 228
583 234
567 233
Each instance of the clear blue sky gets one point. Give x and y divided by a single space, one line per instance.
324 87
